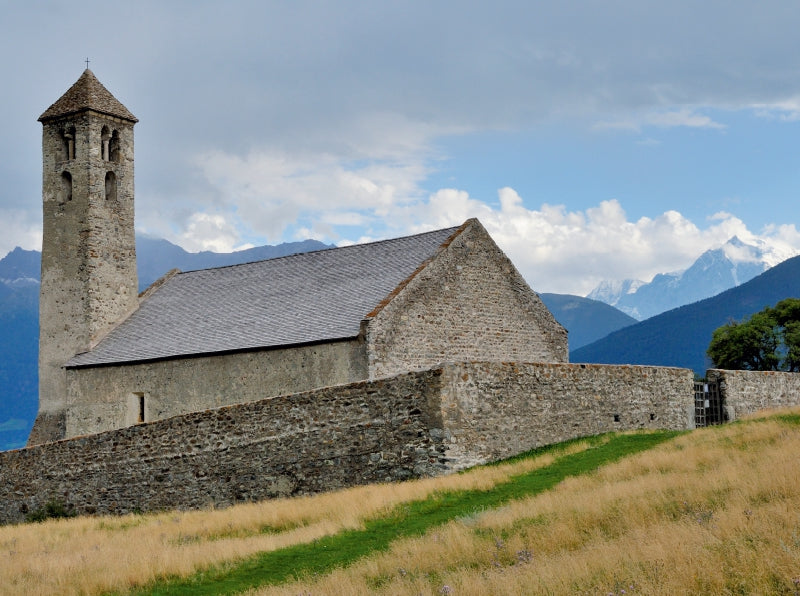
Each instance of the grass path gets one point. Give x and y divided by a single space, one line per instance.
411 519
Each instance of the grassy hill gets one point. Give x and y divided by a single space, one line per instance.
713 511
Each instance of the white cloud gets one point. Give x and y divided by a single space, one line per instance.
271 193
269 197
18 228
572 251
787 110
212 232
683 117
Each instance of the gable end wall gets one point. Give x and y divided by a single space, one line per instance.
468 303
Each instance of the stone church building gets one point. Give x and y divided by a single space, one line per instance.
109 358
405 358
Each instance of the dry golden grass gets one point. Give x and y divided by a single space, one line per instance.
713 512
91 555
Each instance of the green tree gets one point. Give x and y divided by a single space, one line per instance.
768 340
787 314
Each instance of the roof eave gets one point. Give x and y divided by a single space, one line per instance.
45 118
209 354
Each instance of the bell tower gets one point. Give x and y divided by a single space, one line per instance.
89 279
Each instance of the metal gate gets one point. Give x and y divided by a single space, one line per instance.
708 406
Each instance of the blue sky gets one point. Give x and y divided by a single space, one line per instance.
595 140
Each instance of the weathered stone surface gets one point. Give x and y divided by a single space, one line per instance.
108 397
416 424
49 426
89 279
495 410
744 392
303 443
468 303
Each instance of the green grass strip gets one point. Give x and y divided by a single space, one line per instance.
410 519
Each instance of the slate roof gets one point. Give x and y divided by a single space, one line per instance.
299 299
87 94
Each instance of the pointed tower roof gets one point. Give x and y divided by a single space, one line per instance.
87 94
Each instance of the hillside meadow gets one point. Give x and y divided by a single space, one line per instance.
713 511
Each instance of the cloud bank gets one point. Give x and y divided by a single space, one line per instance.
263 121
268 198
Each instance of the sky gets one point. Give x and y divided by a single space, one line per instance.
594 140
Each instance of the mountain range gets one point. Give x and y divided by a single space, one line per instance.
679 337
586 320
713 272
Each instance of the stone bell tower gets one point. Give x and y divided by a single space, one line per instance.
89 279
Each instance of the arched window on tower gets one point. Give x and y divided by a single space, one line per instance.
105 139
69 143
65 194
111 186
113 147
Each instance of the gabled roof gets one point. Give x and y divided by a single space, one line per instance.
300 299
87 94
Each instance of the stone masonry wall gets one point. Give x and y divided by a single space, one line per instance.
304 443
745 392
468 303
424 423
107 397
495 410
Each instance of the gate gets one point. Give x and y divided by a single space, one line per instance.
708 407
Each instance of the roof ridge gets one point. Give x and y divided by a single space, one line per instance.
321 250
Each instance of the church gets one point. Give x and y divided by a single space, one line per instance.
110 358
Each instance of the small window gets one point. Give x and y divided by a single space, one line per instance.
68 137
113 147
105 140
66 188
140 417
137 408
111 186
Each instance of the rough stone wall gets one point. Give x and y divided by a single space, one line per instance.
108 397
495 410
416 424
468 303
89 279
744 392
304 443
49 426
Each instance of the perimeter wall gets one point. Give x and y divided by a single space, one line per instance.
745 391
416 424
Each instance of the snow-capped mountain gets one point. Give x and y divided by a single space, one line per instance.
713 272
610 291
20 268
